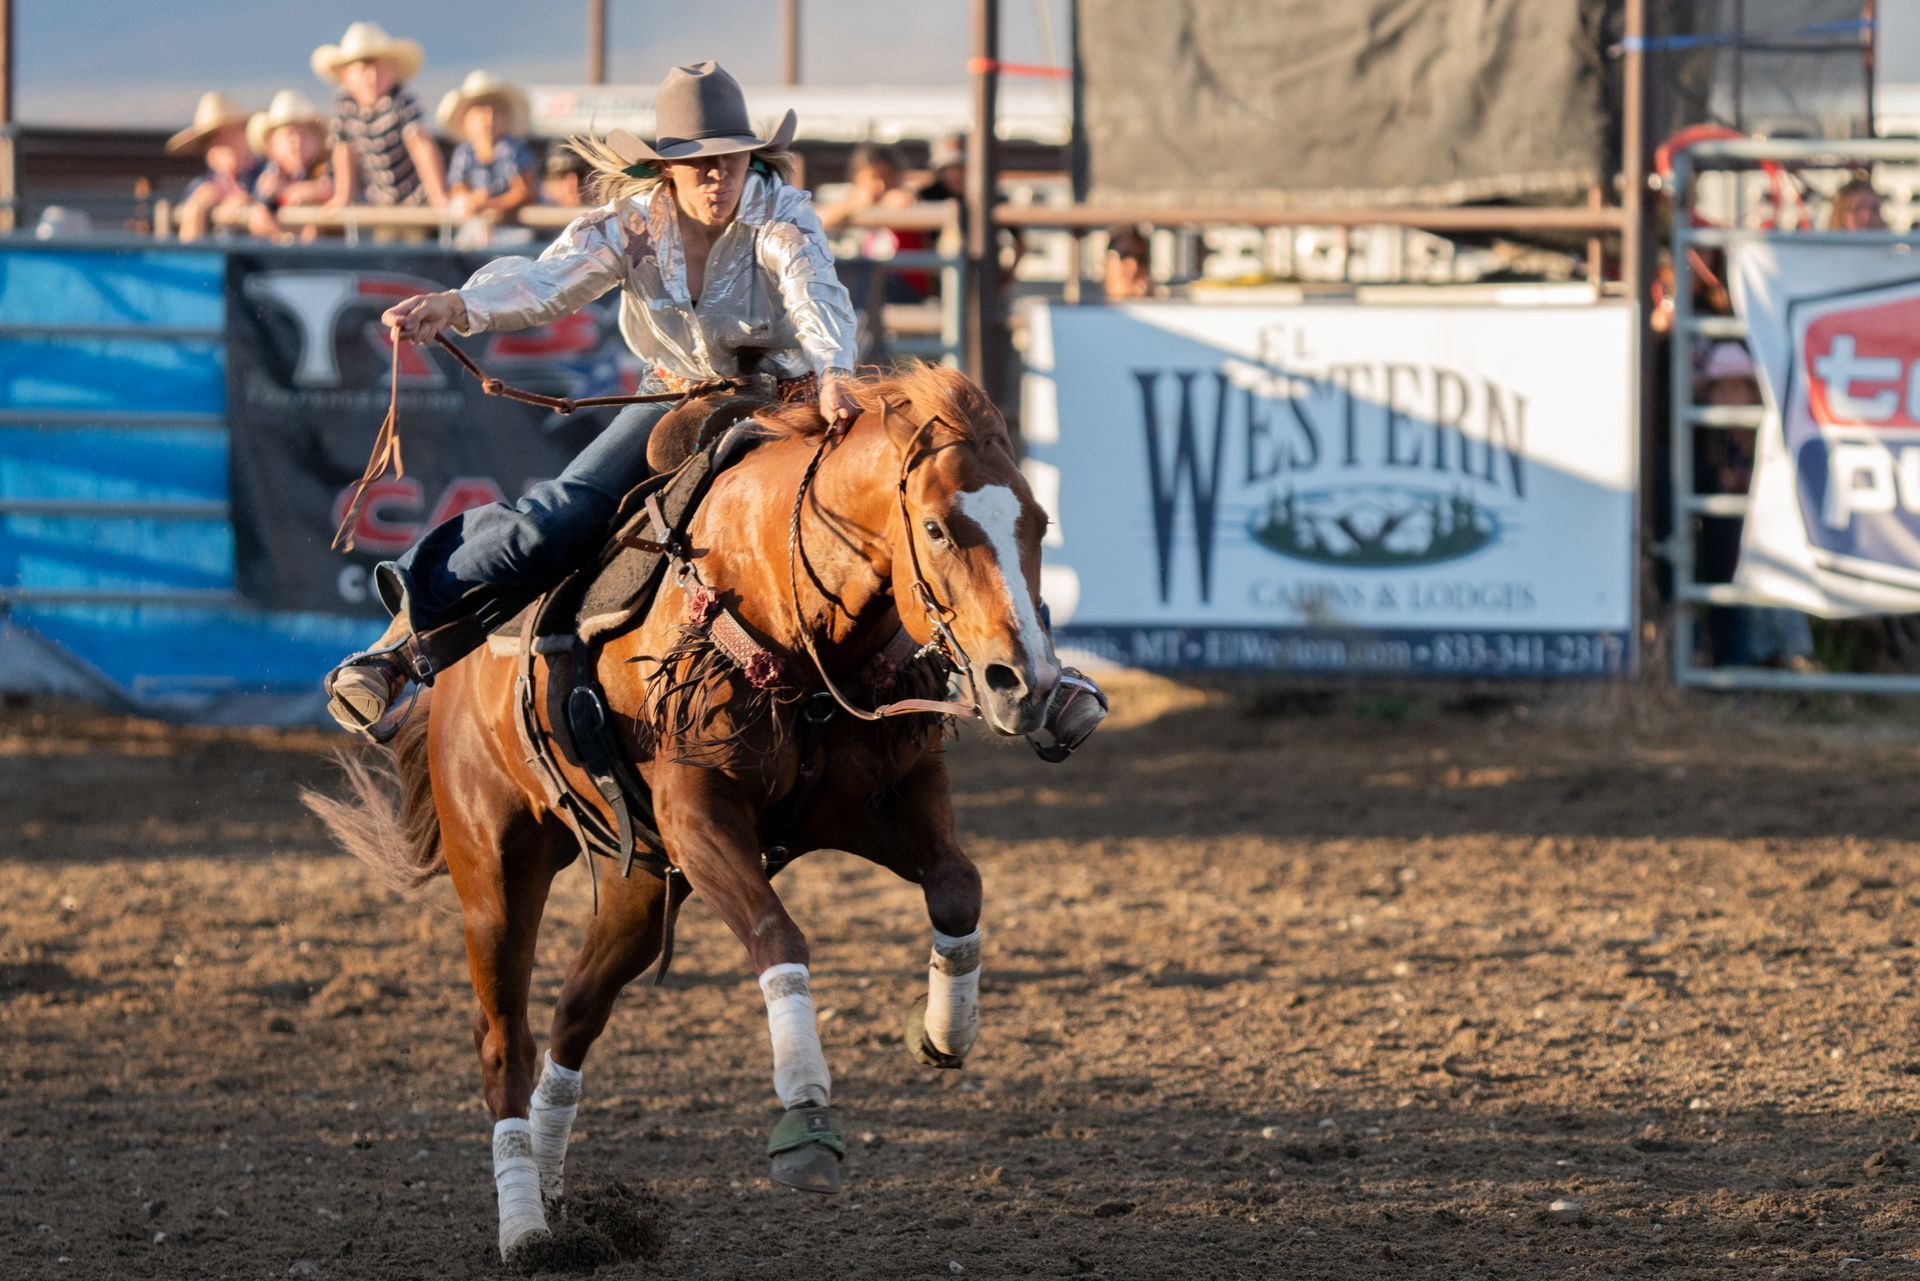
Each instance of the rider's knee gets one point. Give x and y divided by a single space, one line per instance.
559 526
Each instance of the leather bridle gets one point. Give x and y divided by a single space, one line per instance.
943 641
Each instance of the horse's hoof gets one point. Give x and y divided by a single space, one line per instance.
810 1169
919 1045
529 1251
806 1150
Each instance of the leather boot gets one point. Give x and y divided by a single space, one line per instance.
360 694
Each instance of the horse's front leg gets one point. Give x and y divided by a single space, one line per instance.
911 834
711 830
942 1029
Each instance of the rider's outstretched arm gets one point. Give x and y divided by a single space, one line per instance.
588 259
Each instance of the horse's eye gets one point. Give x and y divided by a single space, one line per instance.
935 534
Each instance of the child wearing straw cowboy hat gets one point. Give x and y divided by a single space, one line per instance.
219 134
492 168
725 271
292 136
382 154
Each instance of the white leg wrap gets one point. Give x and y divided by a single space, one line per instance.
556 1101
953 993
799 1068
517 1181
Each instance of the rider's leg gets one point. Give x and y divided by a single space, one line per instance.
521 548
489 561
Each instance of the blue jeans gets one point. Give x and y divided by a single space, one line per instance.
498 557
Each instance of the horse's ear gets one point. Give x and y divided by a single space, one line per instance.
903 429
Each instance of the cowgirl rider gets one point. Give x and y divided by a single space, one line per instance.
717 252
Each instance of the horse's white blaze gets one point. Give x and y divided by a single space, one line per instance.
799 1067
556 1101
996 509
953 992
516 1178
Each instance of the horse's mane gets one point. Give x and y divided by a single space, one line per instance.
932 390
688 682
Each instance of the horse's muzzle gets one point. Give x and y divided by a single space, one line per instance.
1010 702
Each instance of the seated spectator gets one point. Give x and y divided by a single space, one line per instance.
382 155
218 134
947 158
1127 275
1856 207
874 181
292 136
492 168
560 184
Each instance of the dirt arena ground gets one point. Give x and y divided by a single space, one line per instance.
1338 987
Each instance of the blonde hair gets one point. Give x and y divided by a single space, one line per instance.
608 178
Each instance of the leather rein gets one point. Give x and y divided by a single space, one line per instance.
938 615
386 443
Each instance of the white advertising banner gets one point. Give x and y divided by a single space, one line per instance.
1338 488
1834 522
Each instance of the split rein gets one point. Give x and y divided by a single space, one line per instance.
386 453
386 443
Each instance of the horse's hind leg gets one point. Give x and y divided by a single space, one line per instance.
502 874
622 941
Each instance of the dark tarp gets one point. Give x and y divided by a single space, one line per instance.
1305 102
1428 102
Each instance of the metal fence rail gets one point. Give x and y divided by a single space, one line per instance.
1681 550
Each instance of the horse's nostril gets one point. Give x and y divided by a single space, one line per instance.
1002 679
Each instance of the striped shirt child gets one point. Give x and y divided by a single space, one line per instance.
377 136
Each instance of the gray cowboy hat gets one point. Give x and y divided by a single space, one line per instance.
699 111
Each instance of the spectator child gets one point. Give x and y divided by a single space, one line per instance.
219 134
561 183
382 154
492 168
1128 254
947 158
1856 207
292 136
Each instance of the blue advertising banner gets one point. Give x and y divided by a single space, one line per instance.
176 435
1338 489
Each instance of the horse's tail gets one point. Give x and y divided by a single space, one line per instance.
389 823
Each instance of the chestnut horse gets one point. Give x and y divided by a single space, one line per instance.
916 517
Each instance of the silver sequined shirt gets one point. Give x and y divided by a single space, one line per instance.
769 284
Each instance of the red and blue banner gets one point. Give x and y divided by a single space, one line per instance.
309 370
1834 522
